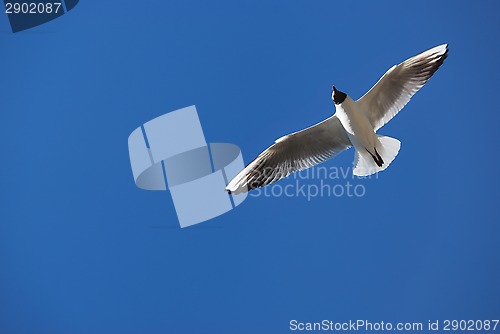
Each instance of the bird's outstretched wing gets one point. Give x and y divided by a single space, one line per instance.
292 153
396 87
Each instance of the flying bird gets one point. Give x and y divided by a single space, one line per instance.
355 123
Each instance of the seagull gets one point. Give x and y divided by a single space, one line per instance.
354 124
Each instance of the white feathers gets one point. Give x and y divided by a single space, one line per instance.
361 119
396 87
364 164
291 153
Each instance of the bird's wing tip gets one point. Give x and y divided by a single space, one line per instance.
443 48
236 190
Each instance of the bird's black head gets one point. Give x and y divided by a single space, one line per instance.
337 96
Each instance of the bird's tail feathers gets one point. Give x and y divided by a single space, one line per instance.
367 164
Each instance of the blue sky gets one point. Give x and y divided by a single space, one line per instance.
82 250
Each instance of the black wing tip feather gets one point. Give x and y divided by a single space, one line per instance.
264 174
426 68
442 58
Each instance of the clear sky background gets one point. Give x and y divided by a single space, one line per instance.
82 250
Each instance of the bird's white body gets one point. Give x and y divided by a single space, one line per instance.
355 123
362 135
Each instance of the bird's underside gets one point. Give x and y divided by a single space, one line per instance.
323 141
